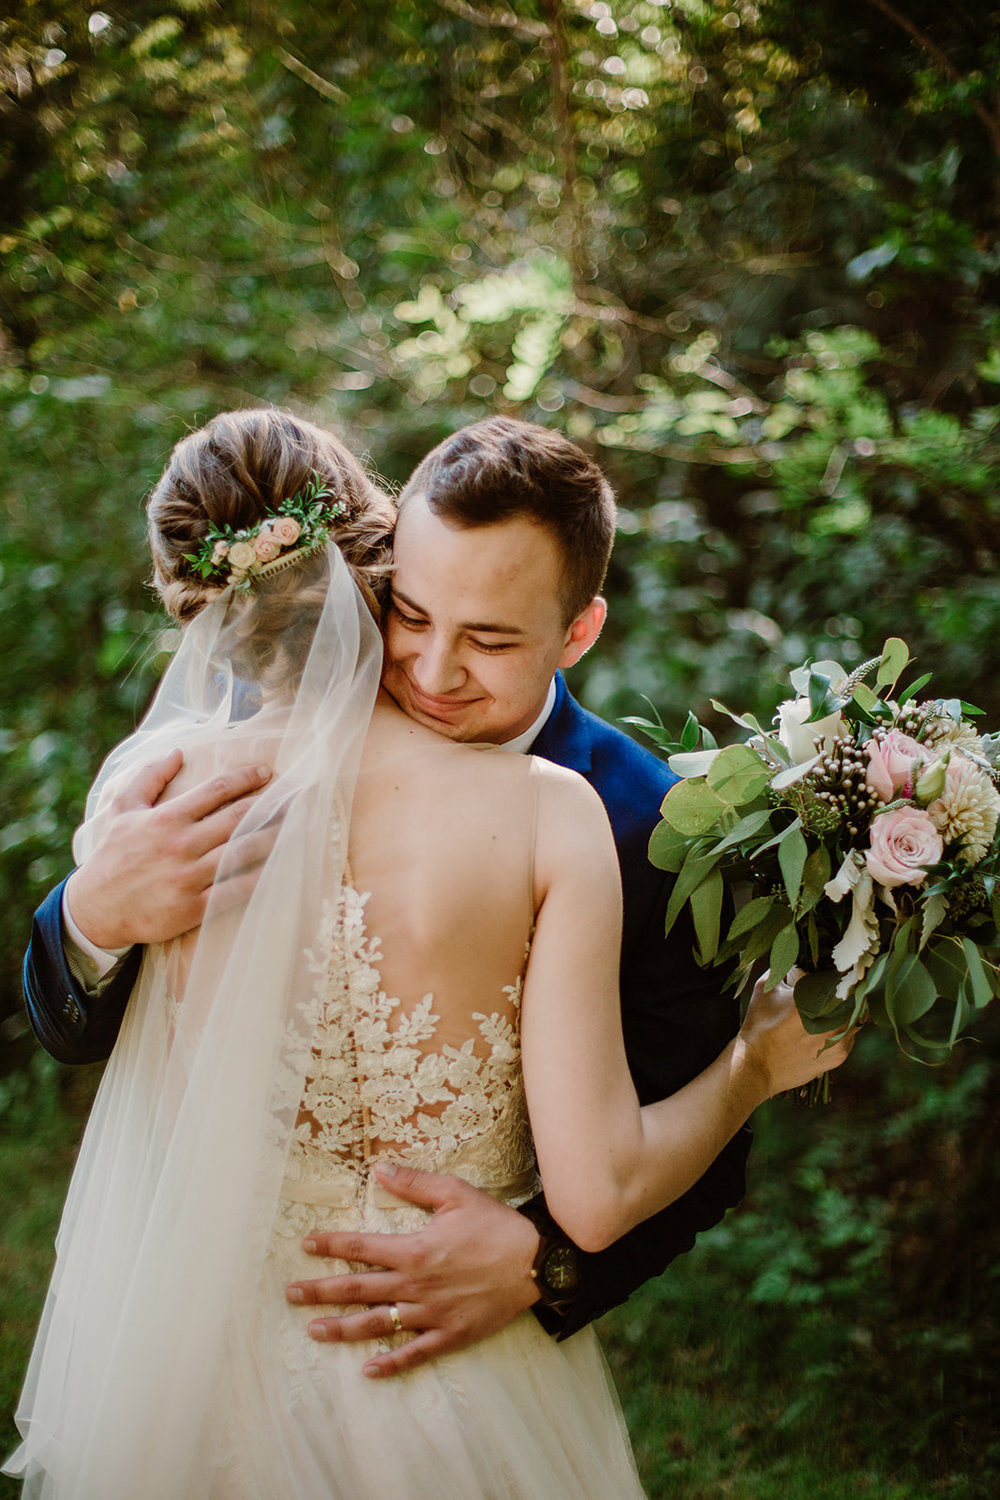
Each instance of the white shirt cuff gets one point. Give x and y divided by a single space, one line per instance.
94 963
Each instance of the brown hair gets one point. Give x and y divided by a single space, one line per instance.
501 468
239 466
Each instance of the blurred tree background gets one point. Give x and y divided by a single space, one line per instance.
747 254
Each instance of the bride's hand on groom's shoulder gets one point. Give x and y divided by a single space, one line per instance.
148 878
785 1053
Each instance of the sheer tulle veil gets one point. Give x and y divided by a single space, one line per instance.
172 1199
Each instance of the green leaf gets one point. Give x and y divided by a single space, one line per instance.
946 964
696 868
738 775
784 952
979 984
691 733
749 915
706 911
815 874
792 854
692 807
914 688
816 994
864 697
909 990
747 826
895 656
745 721
668 849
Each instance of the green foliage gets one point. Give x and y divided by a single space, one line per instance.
746 254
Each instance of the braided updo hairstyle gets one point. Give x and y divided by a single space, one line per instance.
234 470
239 466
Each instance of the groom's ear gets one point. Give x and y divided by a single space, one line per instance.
584 631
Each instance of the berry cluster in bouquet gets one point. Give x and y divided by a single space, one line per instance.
864 824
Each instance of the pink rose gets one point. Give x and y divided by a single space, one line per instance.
903 844
285 530
242 556
266 547
894 763
220 550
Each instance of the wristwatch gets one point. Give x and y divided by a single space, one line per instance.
556 1267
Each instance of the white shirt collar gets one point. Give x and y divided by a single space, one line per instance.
524 741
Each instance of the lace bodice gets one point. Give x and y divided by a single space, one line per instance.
421 1083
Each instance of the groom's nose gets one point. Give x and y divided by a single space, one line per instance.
436 666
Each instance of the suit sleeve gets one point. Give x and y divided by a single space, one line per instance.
74 1024
676 1020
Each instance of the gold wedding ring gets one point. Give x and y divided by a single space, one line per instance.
395 1319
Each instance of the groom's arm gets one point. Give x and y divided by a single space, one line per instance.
146 881
75 1022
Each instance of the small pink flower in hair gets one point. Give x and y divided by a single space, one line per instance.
266 547
242 555
219 551
286 530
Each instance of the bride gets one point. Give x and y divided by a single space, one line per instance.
410 950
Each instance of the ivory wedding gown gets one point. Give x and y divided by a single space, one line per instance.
517 1415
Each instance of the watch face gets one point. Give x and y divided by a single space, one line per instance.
561 1270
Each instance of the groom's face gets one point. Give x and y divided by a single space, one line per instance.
476 628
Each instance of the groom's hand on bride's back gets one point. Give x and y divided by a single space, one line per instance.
149 877
466 1273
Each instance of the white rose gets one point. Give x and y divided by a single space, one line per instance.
798 737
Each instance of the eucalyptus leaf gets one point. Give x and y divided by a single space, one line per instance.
692 807
979 984
815 874
784 952
688 763
696 868
909 990
745 721
864 697
749 915
706 912
914 688
816 994
792 854
895 656
748 825
668 849
738 775
691 733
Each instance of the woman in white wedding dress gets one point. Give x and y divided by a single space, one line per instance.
410 949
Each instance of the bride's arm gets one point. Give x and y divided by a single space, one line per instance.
606 1164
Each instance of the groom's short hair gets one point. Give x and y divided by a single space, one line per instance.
498 469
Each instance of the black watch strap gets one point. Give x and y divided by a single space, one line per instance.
556 1267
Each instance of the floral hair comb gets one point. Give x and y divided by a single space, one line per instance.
292 529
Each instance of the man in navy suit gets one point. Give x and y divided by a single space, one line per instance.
502 543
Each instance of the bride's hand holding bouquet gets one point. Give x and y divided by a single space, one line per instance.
864 823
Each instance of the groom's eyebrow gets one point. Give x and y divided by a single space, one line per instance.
482 628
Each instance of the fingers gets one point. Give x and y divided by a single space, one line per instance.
419 1351
152 781
386 1251
428 1189
378 1324
208 797
349 1291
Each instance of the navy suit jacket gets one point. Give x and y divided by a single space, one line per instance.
675 1019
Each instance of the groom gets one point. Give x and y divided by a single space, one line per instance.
501 547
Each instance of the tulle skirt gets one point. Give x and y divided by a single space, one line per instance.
516 1415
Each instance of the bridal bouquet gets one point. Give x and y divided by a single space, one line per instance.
865 823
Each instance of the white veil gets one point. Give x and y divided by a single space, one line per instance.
172 1200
